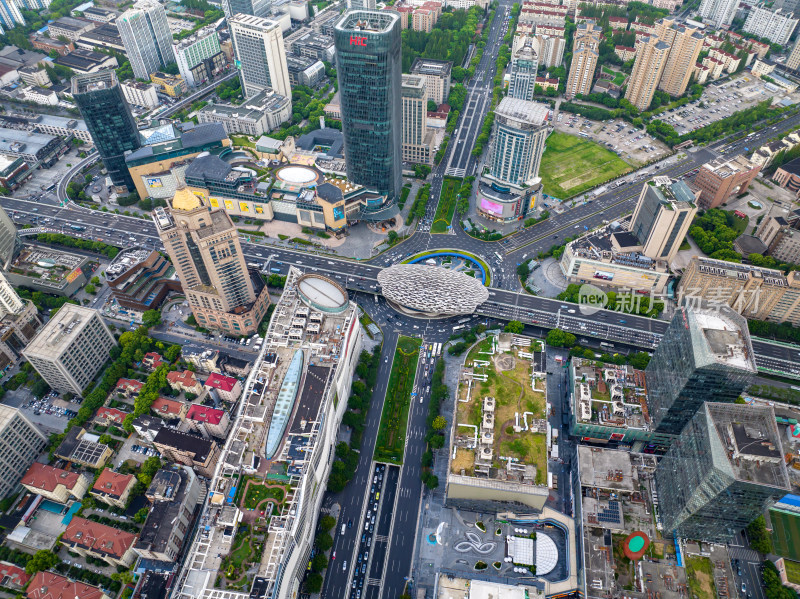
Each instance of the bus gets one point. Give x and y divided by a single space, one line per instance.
463 320
459 327
77 228
499 257
605 344
275 270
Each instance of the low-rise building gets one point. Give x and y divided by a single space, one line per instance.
174 495
100 14
183 448
147 426
781 235
48 44
625 53
437 74
209 422
128 388
724 178
55 484
84 61
788 176
152 360
140 94
307 42
12 576
106 416
104 37
35 76
204 359
620 23
140 279
255 116
170 409
304 70
92 539
172 85
83 449
14 172
184 380
69 28
49 585
113 488
61 126
37 149
226 388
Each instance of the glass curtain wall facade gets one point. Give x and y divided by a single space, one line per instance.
109 120
685 371
369 66
257 8
715 479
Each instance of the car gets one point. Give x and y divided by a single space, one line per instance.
333 555
350 523
344 566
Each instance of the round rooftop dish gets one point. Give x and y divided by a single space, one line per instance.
546 554
322 293
299 175
431 290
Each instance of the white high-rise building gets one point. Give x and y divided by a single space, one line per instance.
718 13
146 36
257 8
10 302
361 4
193 50
10 15
523 71
520 130
793 62
775 25
260 55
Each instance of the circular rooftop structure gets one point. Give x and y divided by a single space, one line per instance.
546 554
297 175
425 290
322 293
635 544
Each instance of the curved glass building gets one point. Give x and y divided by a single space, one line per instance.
284 404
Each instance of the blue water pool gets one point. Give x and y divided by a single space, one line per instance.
53 507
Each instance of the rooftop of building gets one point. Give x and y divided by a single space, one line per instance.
49 585
724 335
47 478
600 246
607 469
528 113
752 445
735 270
608 394
725 166
199 447
97 537
367 21
15 56
81 59
61 330
81 448
205 414
71 23
198 35
167 407
252 108
104 32
20 141
186 138
220 381
125 260
93 81
186 378
792 167
112 484
429 66
331 140
167 493
110 414
674 194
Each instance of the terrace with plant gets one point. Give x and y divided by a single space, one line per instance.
500 415
609 394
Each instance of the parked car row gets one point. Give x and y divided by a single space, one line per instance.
148 451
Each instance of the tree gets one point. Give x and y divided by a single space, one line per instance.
432 106
439 423
151 318
392 237
141 515
41 560
151 465
432 481
90 289
515 326
436 441
95 281
319 563
323 542
172 352
759 536
313 583
559 338
327 522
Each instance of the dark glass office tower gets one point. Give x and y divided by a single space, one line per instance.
257 8
721 473
369 65
108 118
705 355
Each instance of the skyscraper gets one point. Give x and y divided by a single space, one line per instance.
585 54
651 58
260 55
685 45
108 118
775 25
21 442
10 302
368 65
361 4
793 62
520 130
509 190
718 13
201 47
415 120
256 8
523 71
146 36
10 240
662 217
706 353
10 15
721 473
204 247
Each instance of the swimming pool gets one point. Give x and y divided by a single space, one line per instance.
53 507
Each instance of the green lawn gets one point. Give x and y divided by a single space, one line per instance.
571 165
618 77
792 571
258 493
241 140
447 205
700 574
390 444
737 224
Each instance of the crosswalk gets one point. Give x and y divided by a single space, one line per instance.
455 172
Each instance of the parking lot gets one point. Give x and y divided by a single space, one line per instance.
633 145
43 413
719 101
